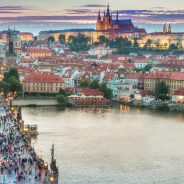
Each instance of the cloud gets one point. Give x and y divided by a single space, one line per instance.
9 12
14 8
94 6
78 11
85 14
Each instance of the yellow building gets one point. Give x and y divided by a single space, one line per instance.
42 83
174 80
163 39
26 36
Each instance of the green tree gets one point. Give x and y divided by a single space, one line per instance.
72 39
147 68
62 38
84 83
11 82
13 72
135 44
61 100
162 91
51 39
103 40
94 84
173 46
107 91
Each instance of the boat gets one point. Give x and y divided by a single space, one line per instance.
32 130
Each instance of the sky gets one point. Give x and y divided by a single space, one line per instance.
73 13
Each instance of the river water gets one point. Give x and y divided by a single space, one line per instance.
111 146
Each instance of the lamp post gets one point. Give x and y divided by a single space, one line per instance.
10 98
52 179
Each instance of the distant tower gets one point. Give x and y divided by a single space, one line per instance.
99 22
165 28
10 55
108 11
117 17
10 44
107 19
169 28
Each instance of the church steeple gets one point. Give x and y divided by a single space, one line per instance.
169 28
117 17
108 11
99 16
165 28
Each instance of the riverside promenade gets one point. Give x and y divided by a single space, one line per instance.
18 161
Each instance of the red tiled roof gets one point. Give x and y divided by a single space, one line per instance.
170 75
43 78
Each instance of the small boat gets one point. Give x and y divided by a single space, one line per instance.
33 129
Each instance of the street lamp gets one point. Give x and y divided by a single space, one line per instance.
51 179
46 165
11 98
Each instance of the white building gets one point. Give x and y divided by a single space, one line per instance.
120 88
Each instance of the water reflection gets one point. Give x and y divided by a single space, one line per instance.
117 145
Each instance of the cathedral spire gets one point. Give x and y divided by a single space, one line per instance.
169 28
108 11
117 16
99 16
165 28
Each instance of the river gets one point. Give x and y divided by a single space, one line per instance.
111 146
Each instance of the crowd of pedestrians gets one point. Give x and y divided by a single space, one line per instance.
18 160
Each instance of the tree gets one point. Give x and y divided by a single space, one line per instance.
61 100
102 39
162 91
72 39
147 68
107 91
84 83
173 46
11 82
51 39
135 44
62 38
95 84
15 84
13 72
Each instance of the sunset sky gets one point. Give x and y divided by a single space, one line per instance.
85 11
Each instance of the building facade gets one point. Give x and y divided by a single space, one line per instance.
42 83
174 80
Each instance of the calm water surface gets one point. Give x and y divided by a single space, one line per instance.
112 146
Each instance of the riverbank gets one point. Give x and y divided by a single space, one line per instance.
32 103
169 106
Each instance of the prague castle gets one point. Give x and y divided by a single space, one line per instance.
108 24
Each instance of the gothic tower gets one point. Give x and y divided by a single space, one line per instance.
165 28
99 22
10 55
169 28
107 19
